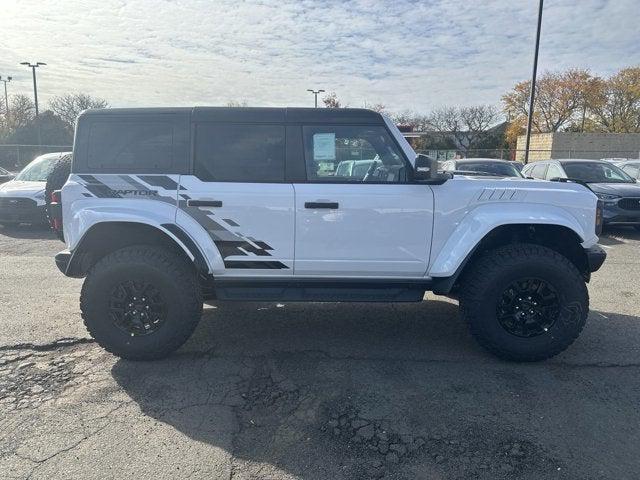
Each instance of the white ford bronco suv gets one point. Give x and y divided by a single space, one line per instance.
167 208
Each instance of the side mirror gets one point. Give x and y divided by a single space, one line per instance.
426 170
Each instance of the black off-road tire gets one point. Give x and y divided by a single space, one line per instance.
491 275
55 181
174 279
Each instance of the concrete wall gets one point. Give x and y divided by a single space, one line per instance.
539 148
580 145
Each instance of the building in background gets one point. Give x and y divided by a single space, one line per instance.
545 146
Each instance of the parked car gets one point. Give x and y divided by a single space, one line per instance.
484 166
631 167
615 160
517 164
166 208
5 175
619 192
355 170
22 199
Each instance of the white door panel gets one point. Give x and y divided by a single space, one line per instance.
377 230
252 226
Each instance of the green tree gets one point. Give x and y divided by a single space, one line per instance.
614 106
559 97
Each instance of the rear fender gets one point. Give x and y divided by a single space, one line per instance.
155 214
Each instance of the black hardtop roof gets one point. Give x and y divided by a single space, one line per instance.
255 114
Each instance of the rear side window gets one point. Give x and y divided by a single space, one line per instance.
125 145
632 169
538 171
240 153
554 172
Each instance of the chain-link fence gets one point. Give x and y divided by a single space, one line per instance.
534 155
15 157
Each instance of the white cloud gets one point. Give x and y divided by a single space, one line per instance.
404 54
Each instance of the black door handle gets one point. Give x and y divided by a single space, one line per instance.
314 205
204 203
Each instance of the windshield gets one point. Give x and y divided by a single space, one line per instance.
594 172
501 169
36 171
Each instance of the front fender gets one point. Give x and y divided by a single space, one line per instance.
481 220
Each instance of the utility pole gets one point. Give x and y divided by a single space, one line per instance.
33 67
532 93
6 97
315 95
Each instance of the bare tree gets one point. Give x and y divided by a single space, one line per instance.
417 121
21 111
376 107
69 106
467 125
237 104
332 101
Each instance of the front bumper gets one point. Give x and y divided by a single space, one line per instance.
62 260
615 214
595 257
21 210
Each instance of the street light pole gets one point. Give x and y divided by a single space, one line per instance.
6 97
315 95
532 93
35 84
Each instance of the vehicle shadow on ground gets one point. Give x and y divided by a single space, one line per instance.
618 235
330 390
27 232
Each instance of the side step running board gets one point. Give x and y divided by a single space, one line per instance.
321 290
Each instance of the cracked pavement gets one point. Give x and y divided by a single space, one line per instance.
314 391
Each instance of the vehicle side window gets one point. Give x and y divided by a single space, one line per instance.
633 170
240 153
554 171
130 144
538 171
372 154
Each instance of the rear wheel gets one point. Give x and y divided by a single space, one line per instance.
524 302
141 302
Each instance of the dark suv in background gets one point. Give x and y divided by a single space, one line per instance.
482 166
619 192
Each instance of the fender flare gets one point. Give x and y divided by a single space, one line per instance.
478 222
87 219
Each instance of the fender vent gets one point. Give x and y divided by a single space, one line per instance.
500 195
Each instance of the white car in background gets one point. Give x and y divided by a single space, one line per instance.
22 199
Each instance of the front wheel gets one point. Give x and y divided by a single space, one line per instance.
141 302
524 302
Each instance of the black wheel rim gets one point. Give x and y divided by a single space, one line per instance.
528 307
137 308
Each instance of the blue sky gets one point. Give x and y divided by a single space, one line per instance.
404 54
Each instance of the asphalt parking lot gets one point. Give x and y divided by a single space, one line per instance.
314 391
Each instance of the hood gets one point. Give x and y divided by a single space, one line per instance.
622 189
14 188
